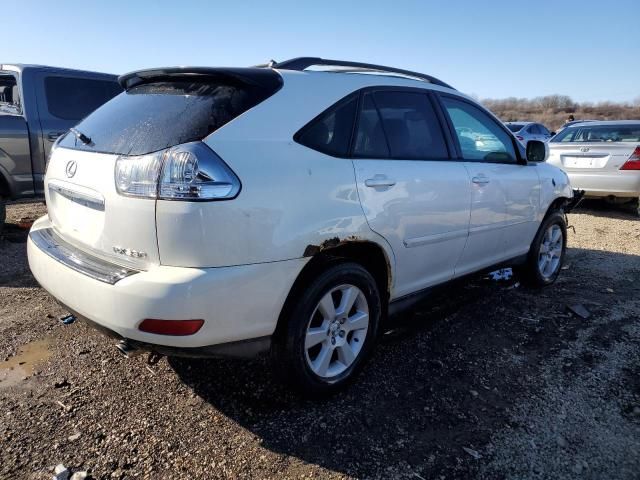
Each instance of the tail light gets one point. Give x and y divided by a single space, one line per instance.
633 162
191 171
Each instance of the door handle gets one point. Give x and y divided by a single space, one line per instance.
480 180
53 136
379 181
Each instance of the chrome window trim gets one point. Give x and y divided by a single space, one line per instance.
51 244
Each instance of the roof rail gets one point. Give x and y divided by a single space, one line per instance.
302 63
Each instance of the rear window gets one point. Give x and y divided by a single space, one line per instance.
153 116
599 133
514 127
75 98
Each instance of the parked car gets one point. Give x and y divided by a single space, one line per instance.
228 211
601 158
37 105
525 131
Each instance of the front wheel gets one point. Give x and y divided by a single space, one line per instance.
329 331
547 251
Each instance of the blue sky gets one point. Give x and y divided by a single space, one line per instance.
587 49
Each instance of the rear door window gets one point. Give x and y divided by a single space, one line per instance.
480 137
411 126
157 115
370 140
71 98
330 133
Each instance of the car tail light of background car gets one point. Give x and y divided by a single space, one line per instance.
633 162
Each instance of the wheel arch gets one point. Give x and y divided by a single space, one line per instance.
370 255
557 204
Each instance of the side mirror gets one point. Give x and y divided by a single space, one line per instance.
537 151
552 133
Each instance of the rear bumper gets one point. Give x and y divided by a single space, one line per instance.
236 303
617 184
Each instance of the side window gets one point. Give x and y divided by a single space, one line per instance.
370 138
543 130
75 98
534 130
480 137
330 133
411 125
9 95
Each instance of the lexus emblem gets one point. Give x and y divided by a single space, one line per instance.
70 169
584 149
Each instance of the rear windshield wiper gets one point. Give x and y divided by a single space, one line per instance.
80 136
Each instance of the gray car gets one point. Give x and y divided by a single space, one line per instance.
37 105
525 131
602 158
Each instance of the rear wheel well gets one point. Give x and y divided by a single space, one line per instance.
367 254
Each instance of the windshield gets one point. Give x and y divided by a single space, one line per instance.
599 133
154 116
514 127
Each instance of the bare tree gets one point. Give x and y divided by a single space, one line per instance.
552 110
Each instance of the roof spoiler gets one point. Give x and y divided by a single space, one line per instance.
257 77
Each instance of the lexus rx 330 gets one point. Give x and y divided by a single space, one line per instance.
232 211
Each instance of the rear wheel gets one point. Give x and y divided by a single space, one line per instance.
329 331
547 251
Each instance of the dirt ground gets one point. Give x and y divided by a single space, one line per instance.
486 380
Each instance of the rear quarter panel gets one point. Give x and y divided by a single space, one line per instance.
293 201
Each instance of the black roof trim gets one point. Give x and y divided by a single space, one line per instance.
302 63
258 77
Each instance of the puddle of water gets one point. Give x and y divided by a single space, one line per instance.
22 364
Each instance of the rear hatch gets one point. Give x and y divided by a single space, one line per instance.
594 148
86 210
158 110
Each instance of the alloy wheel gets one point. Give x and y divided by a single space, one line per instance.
336 331
550 252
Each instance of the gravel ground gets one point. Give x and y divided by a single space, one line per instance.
488 380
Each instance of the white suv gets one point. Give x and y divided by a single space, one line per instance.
231 211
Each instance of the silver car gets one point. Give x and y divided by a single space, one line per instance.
602 158
525 131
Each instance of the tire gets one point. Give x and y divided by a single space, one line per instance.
3 214
547 252
633 206
317 329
